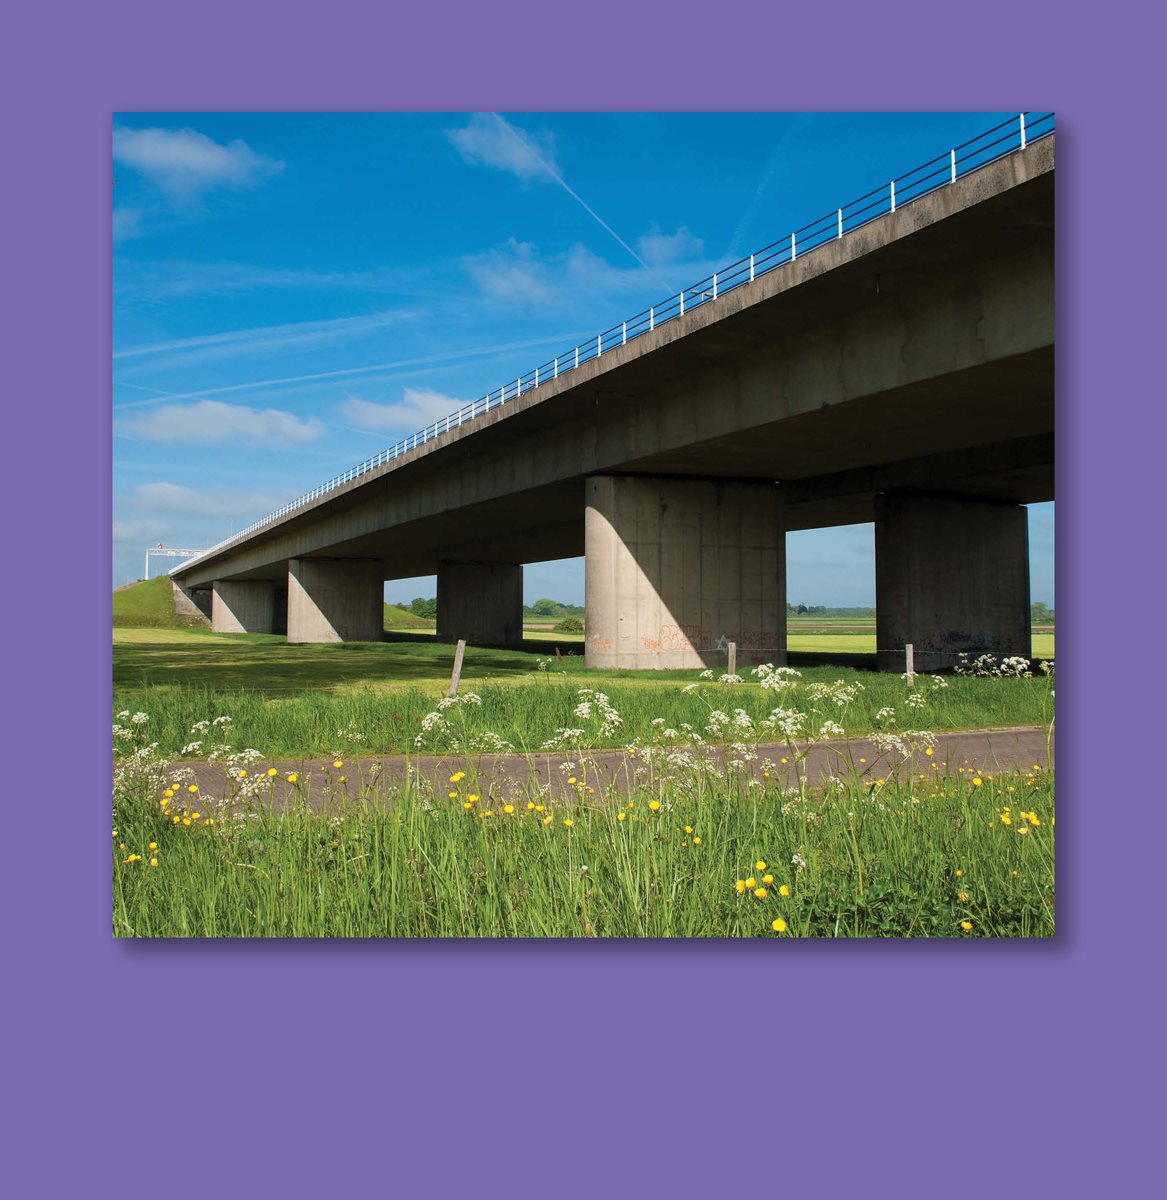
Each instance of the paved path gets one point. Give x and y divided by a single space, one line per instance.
991 751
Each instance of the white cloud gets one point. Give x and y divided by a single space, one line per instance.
201 502
127 223
680 247
494 142
183 161
417 408
212 421
512 273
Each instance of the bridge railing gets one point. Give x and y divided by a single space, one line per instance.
1008 137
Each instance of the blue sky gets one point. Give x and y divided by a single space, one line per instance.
293 292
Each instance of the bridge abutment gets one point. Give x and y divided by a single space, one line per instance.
481 602
243 606
951 577
676 568
336 599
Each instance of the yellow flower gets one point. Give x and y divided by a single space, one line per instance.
210 820
466 805
458 775
530 806
962 897
778 925
751 882
342 779
152 846
959 872
759 865
473 797
293 777
185 820
153 862
688 829
765 774
966 925
572 779
977 781
929 752
767 879
568 822
271 771
784 761
547 820
740 886
760 893
697 841
134 858
174 820
654 805
115 833
1023 830
783 890
508 808
121 845
863 760
192 788
621 816
242 774
338 764
538 807
452 795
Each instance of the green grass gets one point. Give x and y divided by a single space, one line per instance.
910 860
149 604
292 700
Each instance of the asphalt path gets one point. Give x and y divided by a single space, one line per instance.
323 786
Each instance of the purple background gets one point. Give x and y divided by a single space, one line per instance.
564 1069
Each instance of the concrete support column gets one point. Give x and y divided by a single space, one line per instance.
194 605
336 599
481 602
676 568
951 577
243 606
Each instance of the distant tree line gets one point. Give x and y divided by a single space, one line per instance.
1039 614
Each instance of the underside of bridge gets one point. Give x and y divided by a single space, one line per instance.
902 376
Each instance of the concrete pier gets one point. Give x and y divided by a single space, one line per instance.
336 600
951 577
676 568
243 606
481 602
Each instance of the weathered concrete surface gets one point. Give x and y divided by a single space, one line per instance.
481 602
336 600
243 606
890 358
675 568
951 577
195 606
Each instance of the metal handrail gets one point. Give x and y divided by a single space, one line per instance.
946 168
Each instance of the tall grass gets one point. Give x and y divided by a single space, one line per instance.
940 858
528 713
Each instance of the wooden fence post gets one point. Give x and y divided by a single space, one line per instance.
457 666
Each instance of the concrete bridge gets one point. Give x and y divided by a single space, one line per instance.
901 374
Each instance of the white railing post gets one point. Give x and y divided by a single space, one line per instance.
751 268
577 356
840 222
682 298
518 387
651 319
952 165
1022 131
793 248
623 333
536 376
599 344
893 195
555 369
714 285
